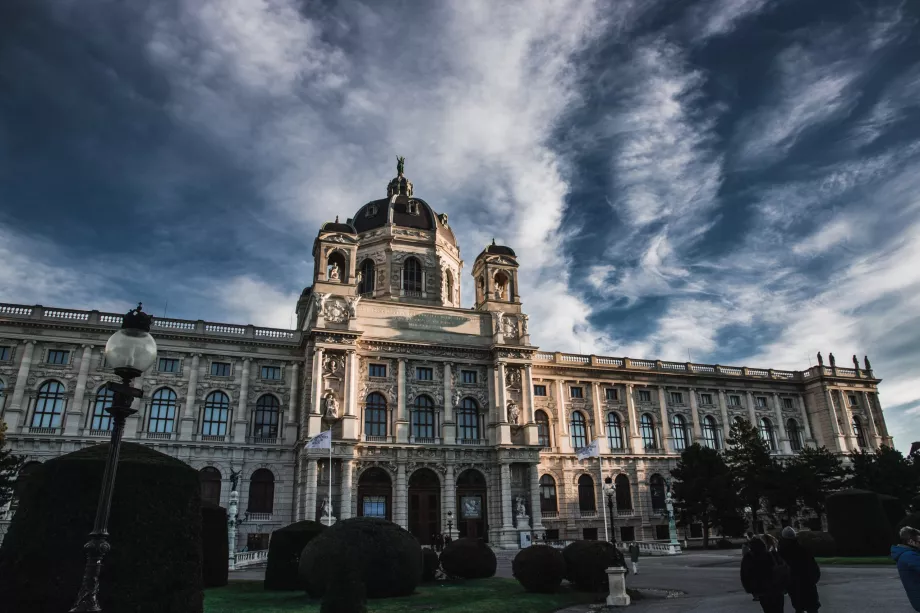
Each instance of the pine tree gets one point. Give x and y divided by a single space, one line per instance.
9 468
885 471
820 473
753 468
704 490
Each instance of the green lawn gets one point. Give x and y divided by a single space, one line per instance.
481 595
854 561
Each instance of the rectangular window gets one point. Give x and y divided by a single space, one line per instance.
5 354
539 390
57 356
696 531
168 365
851 398
552 534
375 506
424 373
787 403
627 533
469 376
377 370
272 373
662 533
576 392
611 393
705 398
645 396
220 369
677 398
762 401
734 401
589 534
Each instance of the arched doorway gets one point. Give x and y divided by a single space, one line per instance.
471 505
375 493
424 505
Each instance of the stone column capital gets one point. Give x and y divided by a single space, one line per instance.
87 346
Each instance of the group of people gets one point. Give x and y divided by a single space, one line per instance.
770 569
439 541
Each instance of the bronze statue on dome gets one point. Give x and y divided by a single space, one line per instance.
400 165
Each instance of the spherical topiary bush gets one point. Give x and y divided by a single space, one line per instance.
215 550
345 594
154 565
586 563
539 568
468 558
284 549
894 511
383 556
858 523
430 564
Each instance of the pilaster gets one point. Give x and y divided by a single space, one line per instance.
402 419
531 436
536 513
838 436
74 420
666 443
350 419
310 489
726 422
14 415
346 488
400 515
315 419
288 424
504 428
603 444
781 426
873 429
449 427
635 439
449 499
805 422
752 412
241 419
187 428
562 415
695 415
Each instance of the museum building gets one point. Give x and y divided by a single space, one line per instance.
443 418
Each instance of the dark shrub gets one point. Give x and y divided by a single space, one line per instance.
284 549
430 564
915 504
468 558
586 563
215 550
383 556
154 565
345 594
894 511
539 568
857 522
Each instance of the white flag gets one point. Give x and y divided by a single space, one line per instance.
323 440
591 451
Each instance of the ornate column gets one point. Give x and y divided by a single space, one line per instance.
805 423
848 424
450 497
635 439
507 521
752 411
74 420
536 512
531 436
317 395
604 444
402 419
876 440
188 415
448 432
241 422
562 416
346 488
401 495
695 415
299 489
502 394
287 426
310 489
666 442
351 418
839 439
13 415
781 426
726 422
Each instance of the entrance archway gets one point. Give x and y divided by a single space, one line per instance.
471 505
375 493
424 505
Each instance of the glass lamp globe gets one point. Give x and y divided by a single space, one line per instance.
132 348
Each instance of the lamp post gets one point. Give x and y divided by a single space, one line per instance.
610 491
669 511
450 525
130 351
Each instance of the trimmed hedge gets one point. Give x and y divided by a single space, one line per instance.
215 549
858 523
539 568
284 549
586 563
430 564
154 565
894 511
386 558
468 558
346 594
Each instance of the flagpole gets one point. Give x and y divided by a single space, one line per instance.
330 473
600 471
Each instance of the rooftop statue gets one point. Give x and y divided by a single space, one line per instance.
400 165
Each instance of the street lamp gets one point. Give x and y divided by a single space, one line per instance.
130 351
610 491
450 524
669 512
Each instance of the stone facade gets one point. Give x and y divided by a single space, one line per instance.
441 416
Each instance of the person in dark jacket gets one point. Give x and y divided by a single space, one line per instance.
804 573
758 578
907 555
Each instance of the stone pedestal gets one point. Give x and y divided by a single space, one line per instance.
616 579
522 522
327 521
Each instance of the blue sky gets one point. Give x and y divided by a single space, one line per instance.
739 179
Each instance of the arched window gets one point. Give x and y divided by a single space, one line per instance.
794 434
449 283
375 415
216 414
614 431
261 491
656 489
548 502
579 430
423 418
858 431
265 423
586 494
679 432
162 411
481 284
412 275
468 420
766 433
209 483
542 428
711 435
624 495
49 405
647 430
367 277
102 419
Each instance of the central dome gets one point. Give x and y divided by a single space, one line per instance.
406 211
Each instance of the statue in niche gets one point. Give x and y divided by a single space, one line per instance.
514 413
866 360
457 398
327 507
820 359
833 362
521 509
499 291
334 272
352 306
331 406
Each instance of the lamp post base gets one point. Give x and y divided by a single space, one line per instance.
616 581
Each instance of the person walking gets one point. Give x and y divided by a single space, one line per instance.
746 547
907 555
765 576
804 573
634 557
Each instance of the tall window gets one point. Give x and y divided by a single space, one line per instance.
412 275
734 400
711 432
216 414
261 491
766 433
677 398
377 370
423 418
610 393
705 398
647 430
162 411
209 483
102 420
220 369
614 431
58 356
468 420
858 431
375 415
761 402
586 493
539 390
542 428
788 403
794 434
645 396
265 423
579 430
367 277
271 373
5 354
424 373
449 286
679 432
548 495
49 406
576 392
624 496
656 489
168 365
469 376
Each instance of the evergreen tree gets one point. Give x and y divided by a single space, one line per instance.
704 490
820 472
749 460
9 468
885 471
